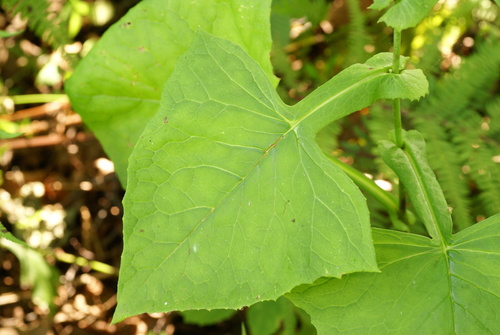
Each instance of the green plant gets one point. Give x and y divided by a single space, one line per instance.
230 201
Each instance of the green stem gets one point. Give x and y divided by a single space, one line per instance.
402 202
396 104
60 255
369 186
397 51
94 265
398 124
37 98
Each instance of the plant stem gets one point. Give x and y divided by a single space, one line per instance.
80 261
398 125
369 186
396 104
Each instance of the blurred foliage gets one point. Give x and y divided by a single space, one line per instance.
46 39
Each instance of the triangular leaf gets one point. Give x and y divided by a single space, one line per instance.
117 87
230 200
422 288
404 13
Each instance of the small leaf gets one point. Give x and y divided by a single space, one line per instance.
36 273
4 233
422 288
410 164
117 87
232 201
404 13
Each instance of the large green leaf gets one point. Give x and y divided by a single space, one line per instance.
117 87
404 13
422 289
230 200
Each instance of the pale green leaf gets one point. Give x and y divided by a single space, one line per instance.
404 13
422 288
230 200
117 87
410 164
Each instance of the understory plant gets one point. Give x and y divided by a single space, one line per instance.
230 201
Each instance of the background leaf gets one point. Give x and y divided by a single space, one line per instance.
4 233
117 87
36 273
230 199
278 317
405 13
422 288
204 317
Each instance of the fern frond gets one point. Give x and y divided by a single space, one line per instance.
493 113
486 174
480 148
42 18
451 120
358 37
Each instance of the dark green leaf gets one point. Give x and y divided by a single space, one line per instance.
277 317
205 318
